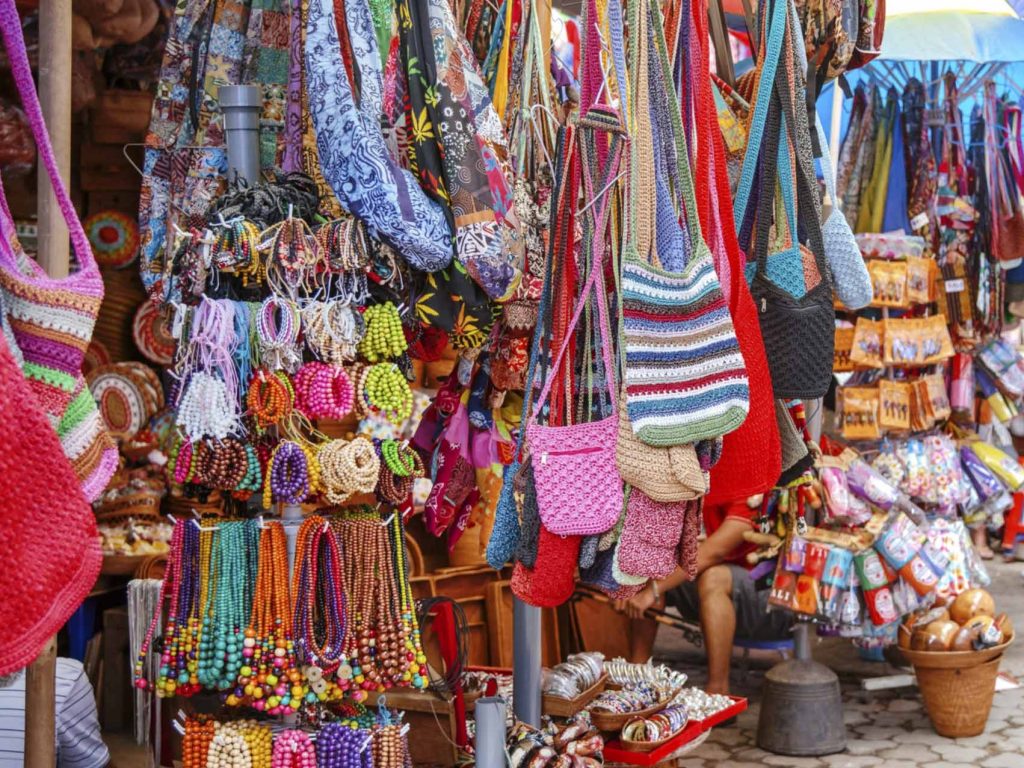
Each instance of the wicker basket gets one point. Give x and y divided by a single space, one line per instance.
958 700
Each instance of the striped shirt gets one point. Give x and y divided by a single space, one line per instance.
78 729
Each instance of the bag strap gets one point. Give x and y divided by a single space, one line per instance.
363 42
772 50
594 283
14 42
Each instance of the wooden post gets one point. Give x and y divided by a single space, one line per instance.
40 708
55 98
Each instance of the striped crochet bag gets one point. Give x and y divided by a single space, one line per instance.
51 319
685 377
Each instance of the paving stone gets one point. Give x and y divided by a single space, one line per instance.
868 746
917 752
922 735
850 761
710 751
982 740
793 762
958 753
1012 760
904 705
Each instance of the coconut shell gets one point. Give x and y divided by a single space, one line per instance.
973 602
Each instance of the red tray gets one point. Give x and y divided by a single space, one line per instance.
614 753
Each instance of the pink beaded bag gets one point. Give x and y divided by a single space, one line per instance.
579 489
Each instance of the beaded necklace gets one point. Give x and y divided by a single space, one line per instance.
338 746
277 327
323 391
195 746
387 390
293 749
270 398
167 586
292 474
319 611
384 339
410 620
228 749
347 467
269 679
390 746
333 330
400 466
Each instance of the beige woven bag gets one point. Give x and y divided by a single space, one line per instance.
664 474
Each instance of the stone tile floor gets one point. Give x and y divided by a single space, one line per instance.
885 729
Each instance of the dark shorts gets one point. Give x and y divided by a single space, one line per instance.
753 619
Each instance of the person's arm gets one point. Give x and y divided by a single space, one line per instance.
712 551
78 725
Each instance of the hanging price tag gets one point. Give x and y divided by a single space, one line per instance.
955 286
919 221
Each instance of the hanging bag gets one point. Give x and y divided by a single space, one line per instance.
52 319
850 277
353 154
685 377
798 327
579 490
1006 212
750 458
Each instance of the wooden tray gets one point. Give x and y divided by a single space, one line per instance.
556 706
643 747
955 659
613 721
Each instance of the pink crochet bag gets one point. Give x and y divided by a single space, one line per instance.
52 319
650 536
579 490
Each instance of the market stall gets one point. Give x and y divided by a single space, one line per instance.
415 334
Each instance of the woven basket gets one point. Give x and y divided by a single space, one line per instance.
123 293
958 700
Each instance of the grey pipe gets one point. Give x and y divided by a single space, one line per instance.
490 732
241 106
526 662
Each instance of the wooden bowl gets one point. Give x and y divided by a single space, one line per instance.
644 747
613 721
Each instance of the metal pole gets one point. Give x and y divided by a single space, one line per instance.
241 105
40 708
526 662
802 640
55 100
490 732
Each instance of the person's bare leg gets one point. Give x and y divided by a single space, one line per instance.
980 538
718 623
642 633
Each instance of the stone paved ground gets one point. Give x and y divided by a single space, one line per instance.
887 729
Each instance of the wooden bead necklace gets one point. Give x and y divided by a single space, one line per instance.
319 615
228 749
195 746
269 679
293 749
390 746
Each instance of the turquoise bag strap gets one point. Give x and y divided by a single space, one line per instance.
773 50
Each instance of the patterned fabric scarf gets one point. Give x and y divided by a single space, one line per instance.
458 149
211 43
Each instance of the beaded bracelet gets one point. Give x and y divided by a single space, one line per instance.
323 391
287 477
384 338
277 328
347 468
388 391
293 749
270 398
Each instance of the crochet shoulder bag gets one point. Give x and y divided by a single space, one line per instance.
52 319
1007 213
353 154
458 147
685 377
579 490
750 462
798 326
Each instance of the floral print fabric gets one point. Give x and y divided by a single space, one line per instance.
458 147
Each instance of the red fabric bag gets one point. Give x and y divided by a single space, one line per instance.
751 459
47 529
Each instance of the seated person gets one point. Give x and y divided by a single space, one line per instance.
79 744
724 597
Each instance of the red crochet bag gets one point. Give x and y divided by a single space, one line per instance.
751 459
41 503
552 580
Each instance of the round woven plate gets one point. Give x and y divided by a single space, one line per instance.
121 402
96 356
152 334
114 237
